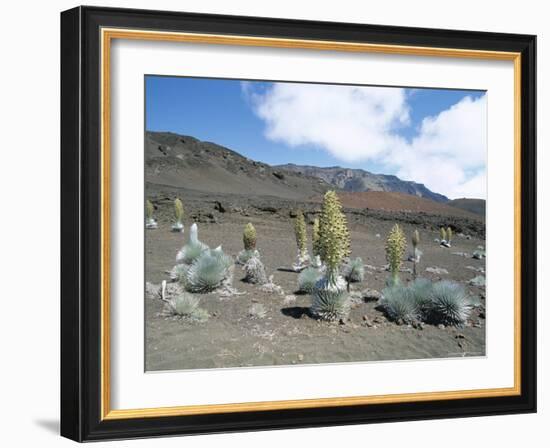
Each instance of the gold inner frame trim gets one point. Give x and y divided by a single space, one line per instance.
107 35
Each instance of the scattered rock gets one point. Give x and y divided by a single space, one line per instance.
460 336
300 357
462 254
436 270
151 291
267 208
441 327
257 311
219 207
371 295
478 255
378 235
289 298
367 321
355 298
279 175
478 281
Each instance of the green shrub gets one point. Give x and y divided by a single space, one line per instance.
300 233
396 245
444 302
178 272
193 249
421 290
244 255
249 237
308 279
255 271
354 270
208 272
178 210
187 307
399 304
443 234
334 242
449 304
330 301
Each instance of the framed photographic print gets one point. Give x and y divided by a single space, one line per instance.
273 223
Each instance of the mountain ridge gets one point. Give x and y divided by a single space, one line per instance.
183 161
359 180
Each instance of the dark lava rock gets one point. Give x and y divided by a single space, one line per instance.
371 295
267 208
219 207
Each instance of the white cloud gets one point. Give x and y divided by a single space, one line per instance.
362 124
449 153
351 123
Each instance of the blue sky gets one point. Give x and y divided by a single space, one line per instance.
385 130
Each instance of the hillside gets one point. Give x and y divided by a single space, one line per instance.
357 180
179 161
398 202
184 162
476 206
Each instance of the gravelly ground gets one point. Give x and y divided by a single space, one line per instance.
287 335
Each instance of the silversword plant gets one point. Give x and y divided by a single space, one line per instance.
208 272
249 242
396 245
307 280
185 306
193 249
178 215
301 241
150 222
330 299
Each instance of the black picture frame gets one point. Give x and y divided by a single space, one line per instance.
81 224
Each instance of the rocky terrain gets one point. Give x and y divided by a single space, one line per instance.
223 191
356 180
476 206
178 161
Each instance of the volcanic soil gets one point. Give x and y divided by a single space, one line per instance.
287 334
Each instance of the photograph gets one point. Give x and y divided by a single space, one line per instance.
297 223
284 221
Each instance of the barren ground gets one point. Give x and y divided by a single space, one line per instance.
287 334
